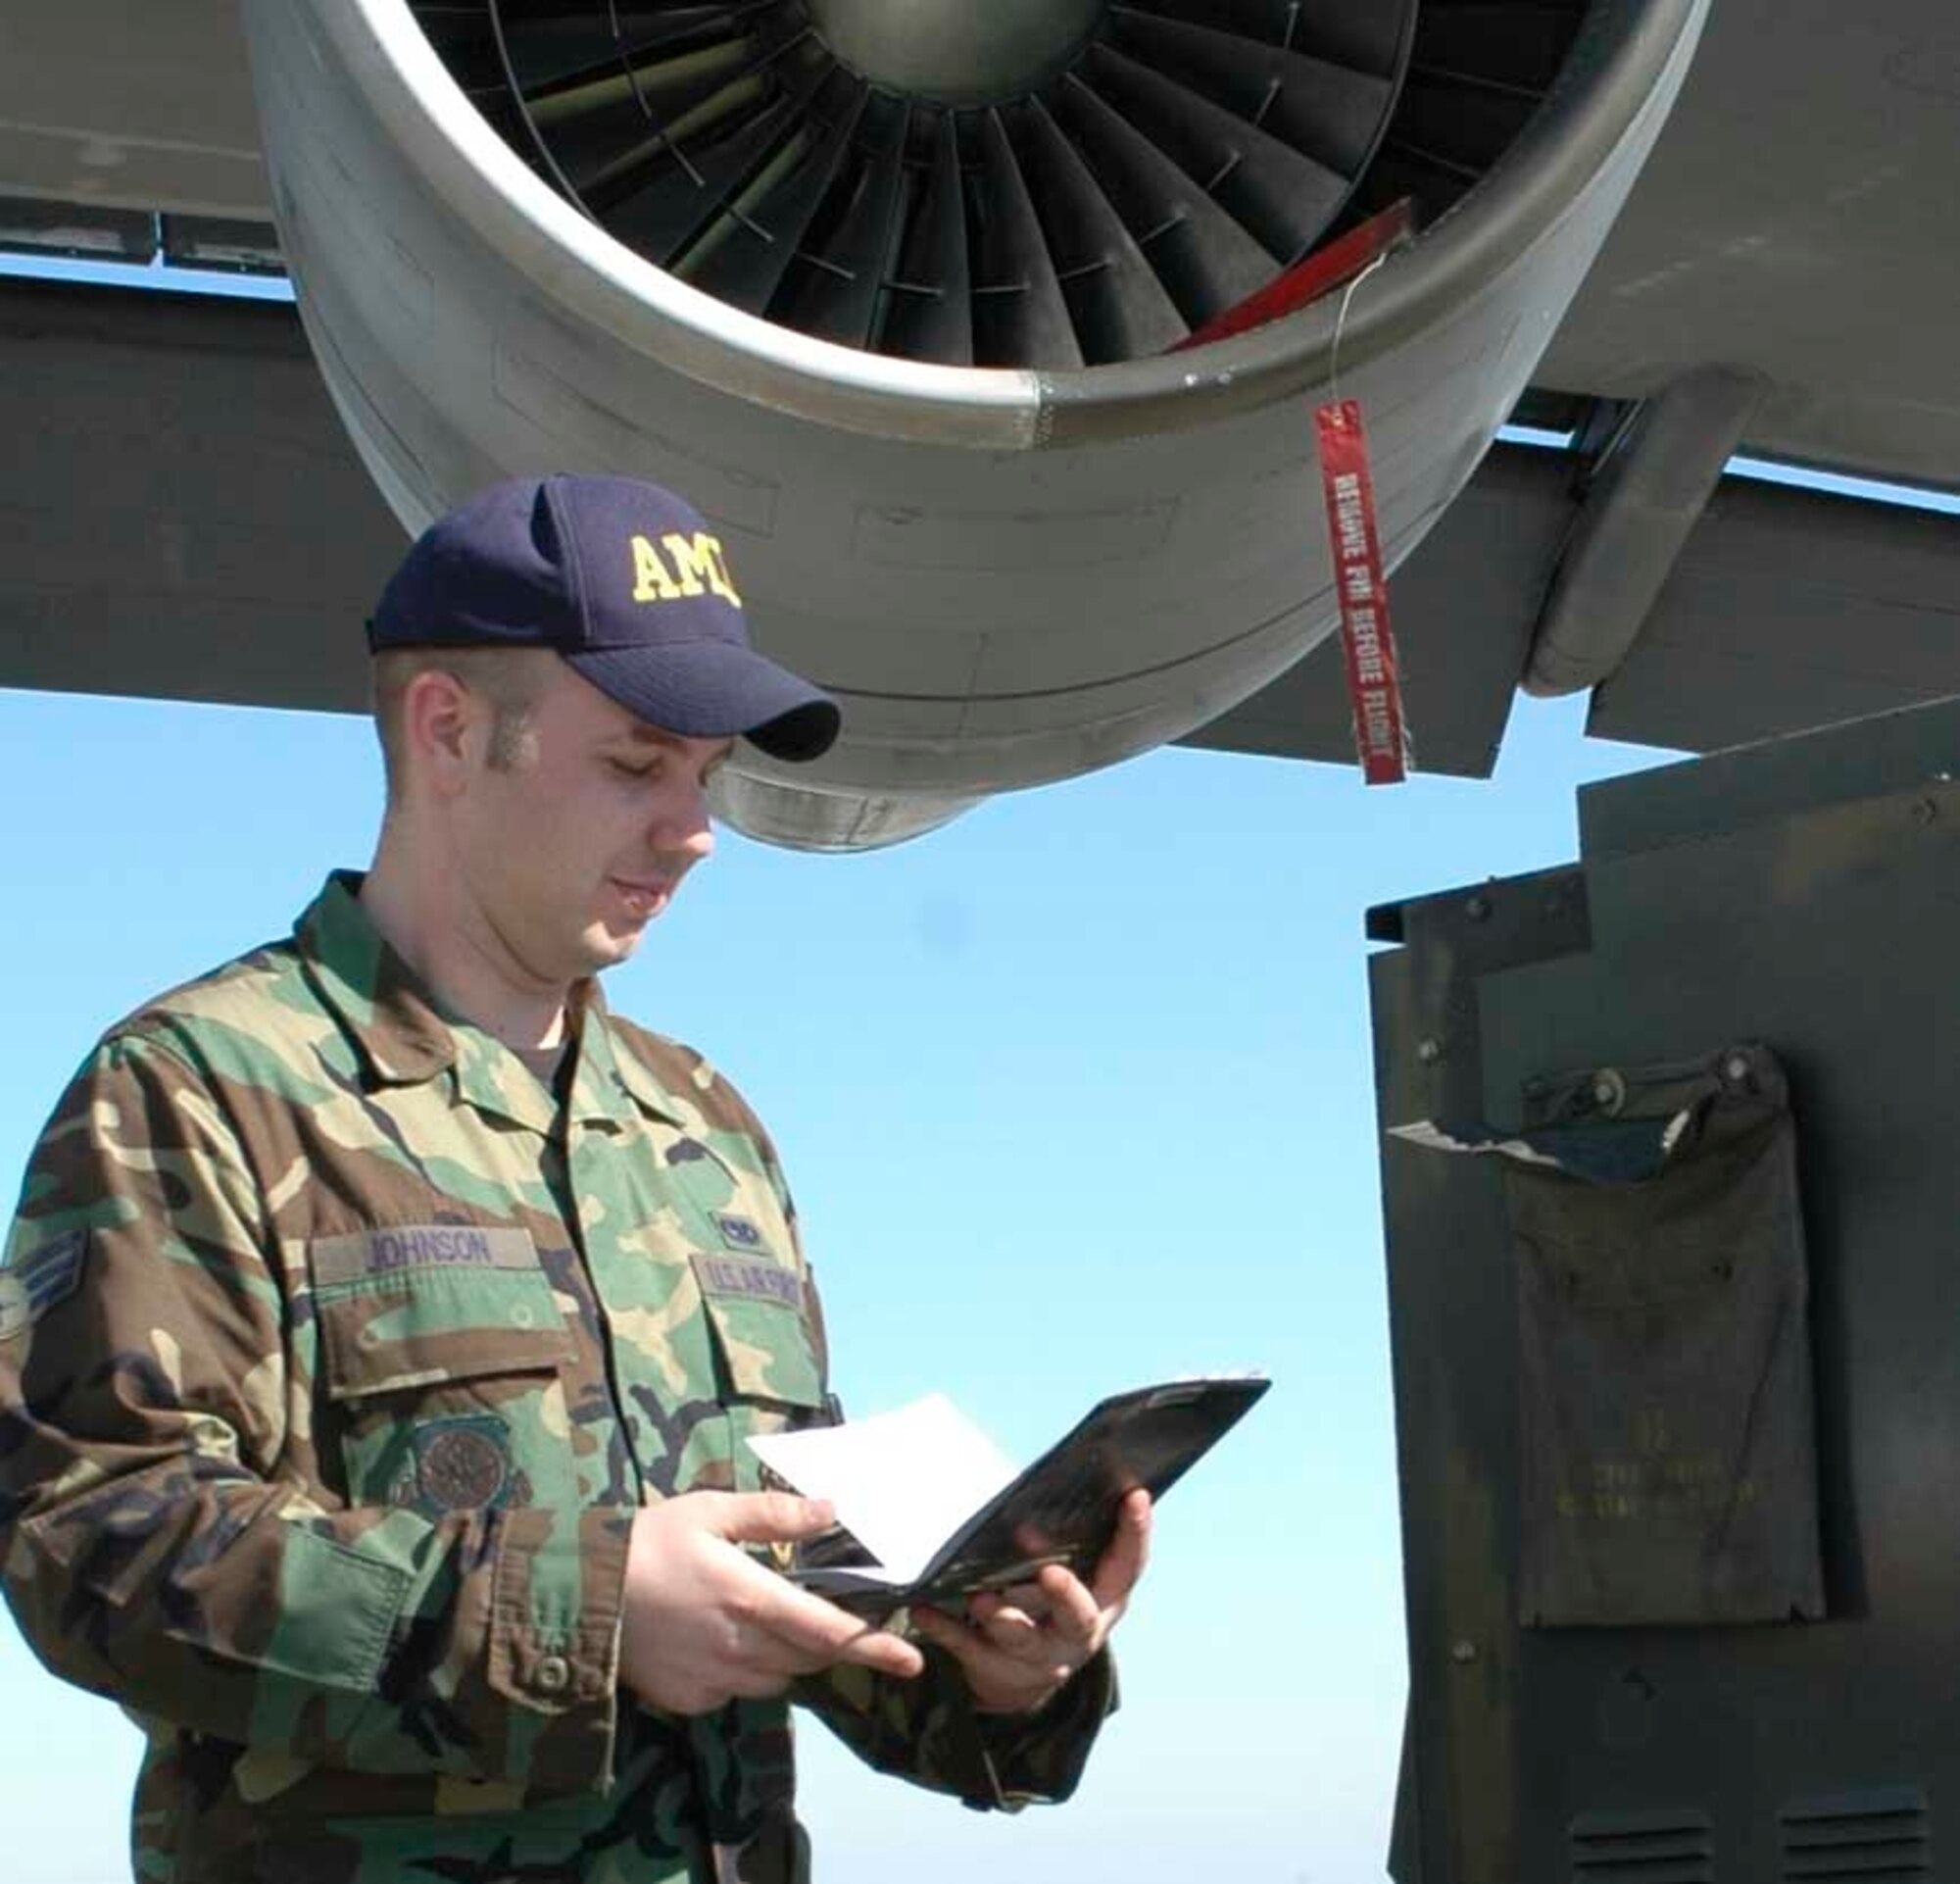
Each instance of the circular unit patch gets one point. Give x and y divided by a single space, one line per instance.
462 1468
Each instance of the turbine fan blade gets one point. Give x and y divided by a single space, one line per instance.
929 311
1204 260
1020 314
1192 151
1477 71
1118 307
1283 198
1355 34
744 255
835 284
721 126
1330 112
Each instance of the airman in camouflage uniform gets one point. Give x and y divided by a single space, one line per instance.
378 1342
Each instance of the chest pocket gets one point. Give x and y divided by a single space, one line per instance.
438 1346
764 1323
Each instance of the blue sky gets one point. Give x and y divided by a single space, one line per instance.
1074 1095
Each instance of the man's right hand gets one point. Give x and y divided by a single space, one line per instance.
706 1623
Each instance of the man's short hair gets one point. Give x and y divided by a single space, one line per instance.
511 679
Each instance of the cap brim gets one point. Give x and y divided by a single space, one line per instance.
716 690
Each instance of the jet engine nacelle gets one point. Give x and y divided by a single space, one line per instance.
897 322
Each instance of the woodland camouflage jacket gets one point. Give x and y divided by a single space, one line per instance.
335 1356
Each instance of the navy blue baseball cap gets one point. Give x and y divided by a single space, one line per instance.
627 584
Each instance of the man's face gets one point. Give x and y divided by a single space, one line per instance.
568 853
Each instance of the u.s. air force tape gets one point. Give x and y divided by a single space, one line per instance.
740 1278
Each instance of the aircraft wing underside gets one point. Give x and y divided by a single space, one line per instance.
185 517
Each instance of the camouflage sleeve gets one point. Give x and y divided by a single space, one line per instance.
161 1539
928 1731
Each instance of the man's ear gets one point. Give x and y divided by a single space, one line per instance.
443 727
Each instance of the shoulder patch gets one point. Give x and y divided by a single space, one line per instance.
33 1285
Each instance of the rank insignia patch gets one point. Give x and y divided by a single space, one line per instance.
31 1286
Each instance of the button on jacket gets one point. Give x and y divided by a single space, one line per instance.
335 1356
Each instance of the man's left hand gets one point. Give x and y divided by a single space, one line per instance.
1020 1646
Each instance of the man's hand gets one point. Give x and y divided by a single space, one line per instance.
706 1623
1019 1648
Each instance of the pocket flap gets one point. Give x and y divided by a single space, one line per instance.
760 1310
413 1307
